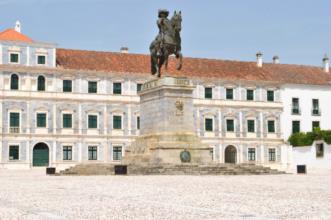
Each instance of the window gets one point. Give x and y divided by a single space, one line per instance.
92 152
295 106
315 124
320 150
67 120
208 93
41 83
229 94
92 121
270 95
67 86
117 122
139 87
41 59
117 153
14 122
230 125
117 88
14 82
272 154
67 152
250 94
251 154
14 57
208 124
295 127
41 120
271 126
251 126
138 122
92 87
316 110
13 152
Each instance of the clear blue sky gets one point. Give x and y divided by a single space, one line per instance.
299 31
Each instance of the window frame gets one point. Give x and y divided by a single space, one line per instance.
248 127
274 126
273 95
39 87
298 124
46 121
139 87
295 110
226 93
115 92
117 115
14 129
11 82
249 155
67 113
208 92
18 57
90 87
113 152
233 125
88 120
63 85
37 59
313 111
313 127
209 128
94 150
67 158
9 152
272 156
247 94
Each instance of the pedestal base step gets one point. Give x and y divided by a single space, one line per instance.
172 169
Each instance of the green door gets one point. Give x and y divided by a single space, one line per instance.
40 155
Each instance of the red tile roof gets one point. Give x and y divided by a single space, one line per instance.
12 35
193 67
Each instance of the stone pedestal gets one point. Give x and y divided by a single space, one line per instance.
167 125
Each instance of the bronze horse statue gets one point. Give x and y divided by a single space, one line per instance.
167 42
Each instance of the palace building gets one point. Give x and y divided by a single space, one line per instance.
60 107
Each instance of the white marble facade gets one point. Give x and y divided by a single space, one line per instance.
255 128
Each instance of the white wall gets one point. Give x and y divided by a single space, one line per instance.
307 156
305 93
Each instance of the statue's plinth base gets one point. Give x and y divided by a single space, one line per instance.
167 149
167 133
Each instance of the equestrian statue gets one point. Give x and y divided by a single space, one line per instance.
167 42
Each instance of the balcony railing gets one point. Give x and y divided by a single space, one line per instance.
296 110
14 130
316 112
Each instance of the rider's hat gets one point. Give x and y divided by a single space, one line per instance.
163 12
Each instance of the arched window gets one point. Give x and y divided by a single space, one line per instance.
41 83
14 82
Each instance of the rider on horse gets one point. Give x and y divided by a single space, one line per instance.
167 42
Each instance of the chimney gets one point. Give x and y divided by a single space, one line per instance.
326 63
275 59
259 59
18 26
124 50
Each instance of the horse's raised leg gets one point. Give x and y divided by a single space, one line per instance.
179 57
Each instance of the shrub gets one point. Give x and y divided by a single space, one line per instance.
307 139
